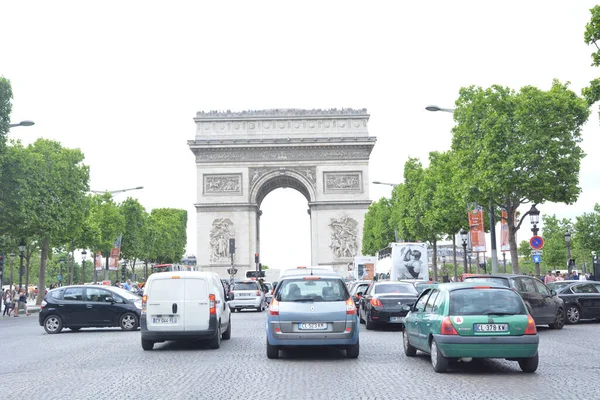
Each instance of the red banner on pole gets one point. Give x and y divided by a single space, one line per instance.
477 230
504 245
115 253
98 261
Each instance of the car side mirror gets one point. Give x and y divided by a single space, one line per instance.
406 307
110 300
552 292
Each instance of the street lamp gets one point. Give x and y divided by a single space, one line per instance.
464 237
22 123
12 259
568 243
60 274
21 255
492 215
116 191
83 256
385 183
534 218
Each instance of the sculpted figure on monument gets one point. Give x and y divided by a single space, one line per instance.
221 232
343 237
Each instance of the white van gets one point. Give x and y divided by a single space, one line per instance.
184 305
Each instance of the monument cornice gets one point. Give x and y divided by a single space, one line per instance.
354 151
282 113
291 141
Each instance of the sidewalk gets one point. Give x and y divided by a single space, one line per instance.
32 308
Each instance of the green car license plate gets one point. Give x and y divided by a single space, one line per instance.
490 327
312 326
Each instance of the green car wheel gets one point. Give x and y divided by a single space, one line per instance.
438 361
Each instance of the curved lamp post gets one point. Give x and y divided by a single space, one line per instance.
534 218
22 123
464 237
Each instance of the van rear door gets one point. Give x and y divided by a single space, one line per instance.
197 308
165 305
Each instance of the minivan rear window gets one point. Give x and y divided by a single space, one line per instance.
245 286
483 279
320 290
474 301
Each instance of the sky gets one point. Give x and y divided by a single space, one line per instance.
122 81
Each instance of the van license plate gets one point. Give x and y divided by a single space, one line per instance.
491 328
312 326
164 320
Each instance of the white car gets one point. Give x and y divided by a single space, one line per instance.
247 295
184 305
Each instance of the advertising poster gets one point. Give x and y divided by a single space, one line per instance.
115 253
477 230
409 261
504 245
98 261
364 267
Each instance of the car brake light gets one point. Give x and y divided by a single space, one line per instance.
312 278
274 307
376 302
447 327
350 306
531 329
144 302
481 287
213 304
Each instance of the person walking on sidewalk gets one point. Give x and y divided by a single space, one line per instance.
7 303
22 303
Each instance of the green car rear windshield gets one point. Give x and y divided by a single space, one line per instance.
485 302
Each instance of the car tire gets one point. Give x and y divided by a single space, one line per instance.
573 314
227 333
370 325
529 365
353 351
559 321
438 361
75 329
53 324
272 351
128 322
409 351
215 342
360 318
147 344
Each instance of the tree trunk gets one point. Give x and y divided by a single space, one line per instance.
435 272
454 258
133 268
42 278
82 271
512 240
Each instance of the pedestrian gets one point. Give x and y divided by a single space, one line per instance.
575 277
559 277
21 303
582 277
7 303
549 278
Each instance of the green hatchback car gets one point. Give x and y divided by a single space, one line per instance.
462 321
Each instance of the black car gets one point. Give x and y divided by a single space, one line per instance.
383 301
582 299
89 306
542 302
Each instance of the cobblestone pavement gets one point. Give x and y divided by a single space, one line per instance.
110 364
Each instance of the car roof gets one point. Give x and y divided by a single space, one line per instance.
470 285
319 274
391 282
498 276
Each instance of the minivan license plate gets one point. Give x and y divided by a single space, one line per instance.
164 320
312 326
490 327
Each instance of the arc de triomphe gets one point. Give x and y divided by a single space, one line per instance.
242 156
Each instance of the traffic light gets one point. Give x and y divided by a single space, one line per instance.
259 266
231 246
256 258
124 272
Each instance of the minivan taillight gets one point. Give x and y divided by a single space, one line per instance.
212 301
43 304
375 302
350 306
531 329
274 307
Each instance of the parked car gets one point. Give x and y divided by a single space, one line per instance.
312 310
357 289
85 306
581 298
269 293
184 305
248 294
543 303
382 303
462 321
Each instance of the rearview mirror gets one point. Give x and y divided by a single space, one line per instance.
109 300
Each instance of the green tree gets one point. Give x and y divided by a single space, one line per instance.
555 250
47 203
586 237
105 223
377 231
136 221
170 237
5 110
591 36
520 147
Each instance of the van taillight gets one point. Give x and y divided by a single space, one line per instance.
212 300
531 329
350 306
274 307
144 302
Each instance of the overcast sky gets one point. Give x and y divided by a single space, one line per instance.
122 81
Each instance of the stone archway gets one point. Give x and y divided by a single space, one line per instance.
243 156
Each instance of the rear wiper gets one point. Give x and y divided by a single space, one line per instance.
303 300
499 313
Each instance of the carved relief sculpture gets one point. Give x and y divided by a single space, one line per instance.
342 181
222 183
308 172
221 232
344 237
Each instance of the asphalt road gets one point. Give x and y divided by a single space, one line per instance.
110 364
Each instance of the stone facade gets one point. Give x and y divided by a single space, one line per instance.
243 156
